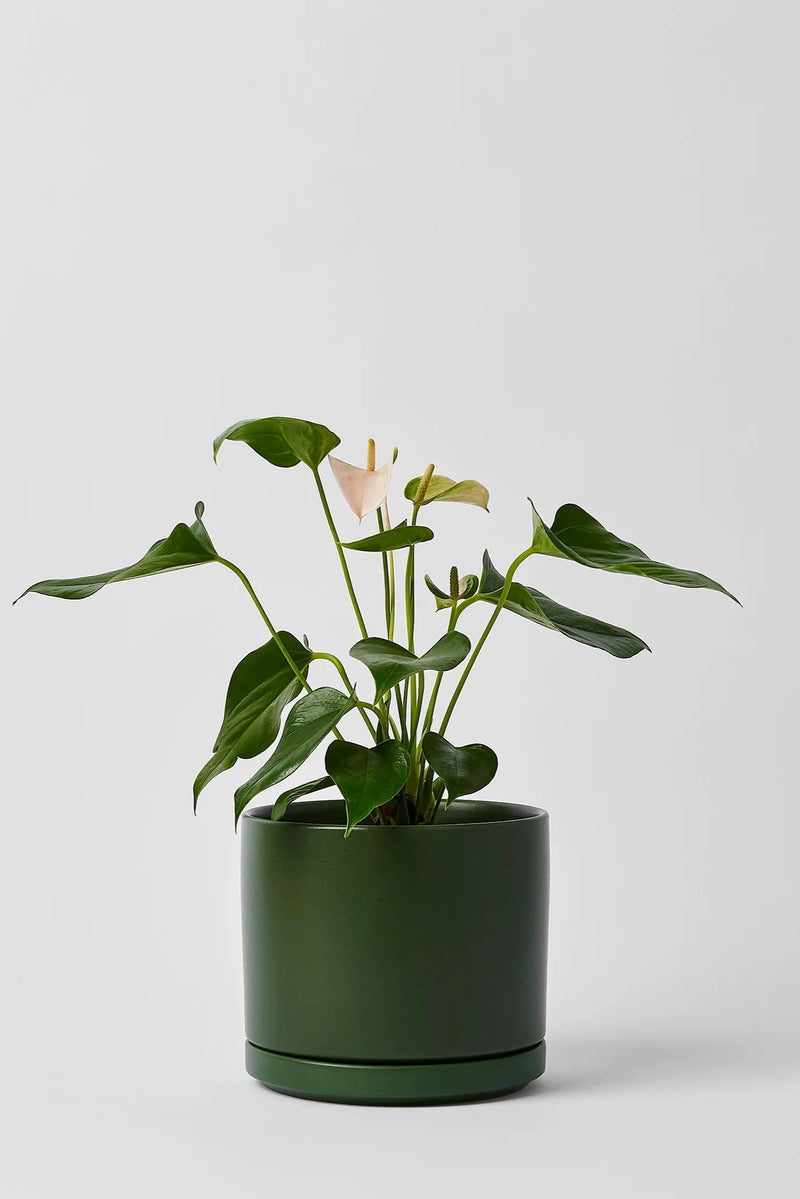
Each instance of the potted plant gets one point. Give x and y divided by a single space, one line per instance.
395 936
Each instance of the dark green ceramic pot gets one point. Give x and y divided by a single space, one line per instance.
402 965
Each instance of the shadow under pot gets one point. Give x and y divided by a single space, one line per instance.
402 965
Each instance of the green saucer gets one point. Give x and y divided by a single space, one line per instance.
396 1082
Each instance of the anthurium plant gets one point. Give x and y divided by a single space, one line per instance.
403 769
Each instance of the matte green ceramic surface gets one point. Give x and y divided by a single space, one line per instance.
403 946
405 1083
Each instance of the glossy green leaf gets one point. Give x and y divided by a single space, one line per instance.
390 663
534 605
260 688
216 765
282 440
467 587
465 769
366 777
447 490
398 538
283 801
578 536
187 545
310 721
251 721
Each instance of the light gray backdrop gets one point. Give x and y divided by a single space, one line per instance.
549 245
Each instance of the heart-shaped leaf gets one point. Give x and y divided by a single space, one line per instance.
187 545
576 535
283 801
442 488
260 688
390 663
366 777
465 768
308 723
282 440
398 538
534 605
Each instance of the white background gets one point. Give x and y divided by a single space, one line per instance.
549 245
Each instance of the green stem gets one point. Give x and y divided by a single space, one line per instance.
392 587
387 596
392 723
481 640
426 777
329 518
401 698
454 614
351 689
388 603
395 729
410 587
419 805
411 692
275 635
417 707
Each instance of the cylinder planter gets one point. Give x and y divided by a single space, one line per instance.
402 965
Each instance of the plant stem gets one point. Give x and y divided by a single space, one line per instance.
395 729
454 614
420 692
401 710
481 640
410 587
426 779
387 595
411 690
326 509
275 635
351 689
392 583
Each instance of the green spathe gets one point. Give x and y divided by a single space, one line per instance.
467 587
440 487
367 777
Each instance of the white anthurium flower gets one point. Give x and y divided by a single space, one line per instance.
364 488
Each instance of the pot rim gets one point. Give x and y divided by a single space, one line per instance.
507 813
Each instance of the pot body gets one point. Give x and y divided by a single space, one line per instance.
401 965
